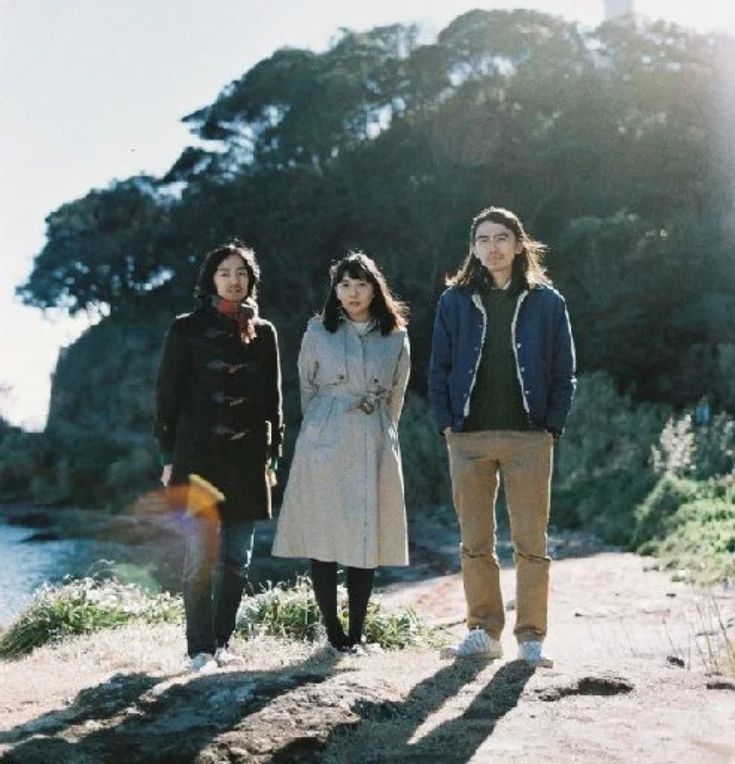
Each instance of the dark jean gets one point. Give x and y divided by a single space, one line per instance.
216 566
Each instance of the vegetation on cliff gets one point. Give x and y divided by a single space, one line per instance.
611 144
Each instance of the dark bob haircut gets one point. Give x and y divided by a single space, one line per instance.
385 309
205 288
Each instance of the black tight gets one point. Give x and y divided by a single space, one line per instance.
359 588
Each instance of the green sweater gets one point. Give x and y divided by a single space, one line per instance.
496 402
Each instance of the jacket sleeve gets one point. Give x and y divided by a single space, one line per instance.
170 389
400 382
440 366
273 394
307 368
563 381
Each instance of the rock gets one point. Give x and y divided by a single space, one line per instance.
597 613
41 536
605 684
720 684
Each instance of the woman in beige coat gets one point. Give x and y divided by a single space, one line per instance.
343 503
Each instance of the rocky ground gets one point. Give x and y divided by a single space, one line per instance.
634 680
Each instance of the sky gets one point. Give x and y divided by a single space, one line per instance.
93 91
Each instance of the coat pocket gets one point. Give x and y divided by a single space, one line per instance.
319 428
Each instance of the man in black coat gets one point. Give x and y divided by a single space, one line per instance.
219 416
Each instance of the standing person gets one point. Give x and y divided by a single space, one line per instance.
501 380
218 415
343 503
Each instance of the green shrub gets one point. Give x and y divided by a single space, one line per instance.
291 612
81 606
695 451
690 524
655 514
130 474
624 468
700 540
424 456
714 447
603 461
24 456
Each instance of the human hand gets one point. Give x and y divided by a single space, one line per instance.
271 466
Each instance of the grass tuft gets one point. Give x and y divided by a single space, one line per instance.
81 606
715 645
291 612
85 605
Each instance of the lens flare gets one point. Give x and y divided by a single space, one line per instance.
197 498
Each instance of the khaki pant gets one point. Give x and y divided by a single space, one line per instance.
524 459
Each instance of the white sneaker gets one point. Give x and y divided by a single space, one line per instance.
477 642
224 657
532 652
356 651
202 663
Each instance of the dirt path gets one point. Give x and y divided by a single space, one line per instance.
633 651
603 607
630 684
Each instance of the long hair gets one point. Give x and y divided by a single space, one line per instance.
527 264
205 288
385 309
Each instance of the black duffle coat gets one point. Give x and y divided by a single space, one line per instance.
219 409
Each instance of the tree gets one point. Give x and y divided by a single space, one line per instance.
102 251
607 143
301 109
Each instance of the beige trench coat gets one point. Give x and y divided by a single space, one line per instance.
344 498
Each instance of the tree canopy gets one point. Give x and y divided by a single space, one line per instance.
608 143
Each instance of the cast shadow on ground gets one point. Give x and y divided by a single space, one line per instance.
92 704
456 739
172 725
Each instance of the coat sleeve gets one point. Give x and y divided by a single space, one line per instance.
273 394
400 381
563 381
308 366
440 367
170 389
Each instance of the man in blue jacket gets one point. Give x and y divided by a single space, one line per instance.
501 380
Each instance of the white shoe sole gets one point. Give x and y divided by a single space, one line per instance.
453 652
540 663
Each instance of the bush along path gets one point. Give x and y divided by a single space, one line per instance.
642 673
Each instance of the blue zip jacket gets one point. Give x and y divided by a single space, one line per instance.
542 345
